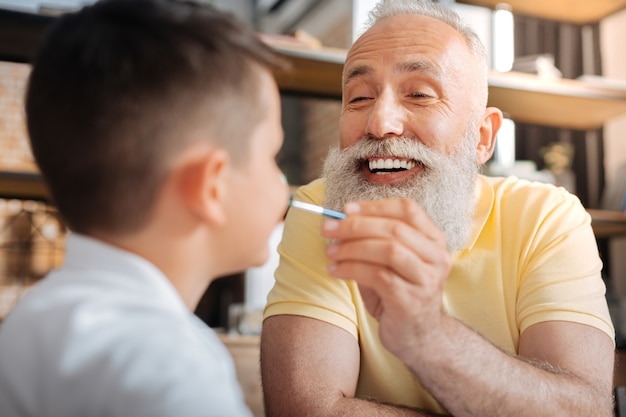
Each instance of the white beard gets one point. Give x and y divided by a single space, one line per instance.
444 189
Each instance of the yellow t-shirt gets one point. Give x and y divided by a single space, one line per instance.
532 257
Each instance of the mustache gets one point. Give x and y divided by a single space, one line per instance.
402 147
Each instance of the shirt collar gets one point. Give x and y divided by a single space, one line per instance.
126 268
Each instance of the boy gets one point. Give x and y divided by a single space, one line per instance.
156 124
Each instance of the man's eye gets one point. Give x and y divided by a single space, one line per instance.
419 95
357 99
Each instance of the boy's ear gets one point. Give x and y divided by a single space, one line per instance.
202 185
492 120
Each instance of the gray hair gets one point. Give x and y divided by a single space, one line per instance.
389 8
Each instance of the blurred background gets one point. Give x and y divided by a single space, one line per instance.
535 54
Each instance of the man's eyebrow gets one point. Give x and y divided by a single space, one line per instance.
417 66
357 72
408 66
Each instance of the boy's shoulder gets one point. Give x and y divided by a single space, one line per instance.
107 344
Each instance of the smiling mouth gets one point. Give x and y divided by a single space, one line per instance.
383 166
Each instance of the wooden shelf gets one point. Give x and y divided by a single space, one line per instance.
23 185
314 71
562 103
524 97
573 11
317 72
606 223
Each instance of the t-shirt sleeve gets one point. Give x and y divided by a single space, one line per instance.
561 268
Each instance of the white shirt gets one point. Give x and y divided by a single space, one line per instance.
108 335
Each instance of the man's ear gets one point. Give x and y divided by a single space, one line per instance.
202 185
492 120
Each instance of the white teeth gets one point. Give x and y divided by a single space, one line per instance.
389 163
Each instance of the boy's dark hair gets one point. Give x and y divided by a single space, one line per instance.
115 87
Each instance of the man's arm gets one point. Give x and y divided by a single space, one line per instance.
311 368
563 369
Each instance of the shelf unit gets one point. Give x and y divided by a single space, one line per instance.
586 106
524 97
573 11
317 72
314 71
607 223
23 186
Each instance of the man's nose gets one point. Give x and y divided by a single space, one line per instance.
386 117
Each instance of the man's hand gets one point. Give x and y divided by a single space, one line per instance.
399 258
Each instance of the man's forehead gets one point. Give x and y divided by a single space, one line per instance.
412 23
406 50
406 34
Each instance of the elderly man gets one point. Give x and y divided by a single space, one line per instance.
443 291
